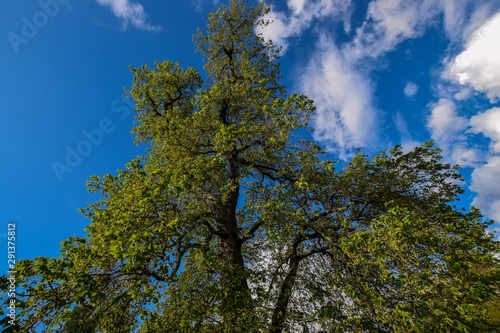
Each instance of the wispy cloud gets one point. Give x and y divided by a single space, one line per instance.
447 129
343 97
444 121
407 142
200 4
131 13
390 22
302 14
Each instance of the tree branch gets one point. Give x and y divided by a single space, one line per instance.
251 232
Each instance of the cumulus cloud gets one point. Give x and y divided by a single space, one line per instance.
488 123
411 89
473 27
477 69
131 13
345 115
479 65
485 183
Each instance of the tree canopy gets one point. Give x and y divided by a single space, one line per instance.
235 222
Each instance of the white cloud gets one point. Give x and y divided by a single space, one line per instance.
444 121
401 125
277 31
455 13
463 94
479 65
200 4
343 93
388 23
302 15
345 115
460 153
411 89
296 5
477 69
488 123
131 13
448 128
338 76
483 11
485 183
461 17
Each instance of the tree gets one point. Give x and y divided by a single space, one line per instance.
233 222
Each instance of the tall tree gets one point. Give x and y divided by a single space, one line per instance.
233 222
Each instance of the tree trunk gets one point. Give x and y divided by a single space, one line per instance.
237 301
236 293
279 315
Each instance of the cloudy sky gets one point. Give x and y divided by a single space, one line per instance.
381 72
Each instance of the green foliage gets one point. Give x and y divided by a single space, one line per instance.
233 223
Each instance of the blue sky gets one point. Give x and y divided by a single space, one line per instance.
381 72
